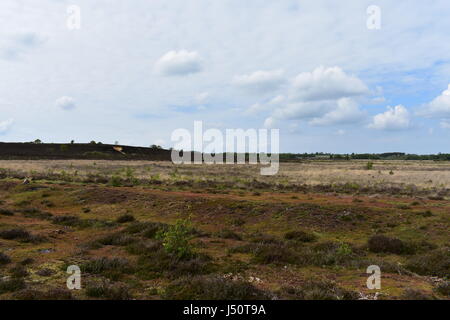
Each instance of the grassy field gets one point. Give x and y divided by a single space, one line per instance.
152 230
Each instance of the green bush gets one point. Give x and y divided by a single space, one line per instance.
176 239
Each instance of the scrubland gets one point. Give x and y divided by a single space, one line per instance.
152 230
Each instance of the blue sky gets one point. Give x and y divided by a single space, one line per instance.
137 70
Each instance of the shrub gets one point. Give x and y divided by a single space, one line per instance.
176 239
21 235
26 261
433 263
52 294
443 288
369 165
158 262
107 265
6 212
116 239
228 234
146 229
300 236
35 213
413 294
125 218
73 221
18 271
212 288
45 272
4 259
274 253
381 243
319 290
11 285
108 291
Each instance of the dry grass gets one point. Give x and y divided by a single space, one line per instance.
421 174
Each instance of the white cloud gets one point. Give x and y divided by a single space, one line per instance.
260 81
6 125
65 103
269 123
445 124
439 107
178 63
202 97
326 84
346 112
396 118
14 46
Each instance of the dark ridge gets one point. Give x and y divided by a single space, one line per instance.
97 151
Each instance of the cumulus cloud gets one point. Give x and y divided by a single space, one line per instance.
260 81
178 63
397 118
65 103
439 107
325 96
5 126
346 112
327 84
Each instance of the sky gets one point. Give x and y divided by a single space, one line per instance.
341 77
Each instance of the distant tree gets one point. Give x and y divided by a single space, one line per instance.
116 143
72 141
38 141
154 146
92 142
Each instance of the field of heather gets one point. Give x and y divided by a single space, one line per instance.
153 230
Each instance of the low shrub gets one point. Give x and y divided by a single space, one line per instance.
4 259
433 263
73 221
6 212
20 235
384 244
318 290
11 285
125 218
36 213
108 291
107 266
228 234
52 294
18 271
45 272
154 264
443 288
413 294
146 229
212 288
300 236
